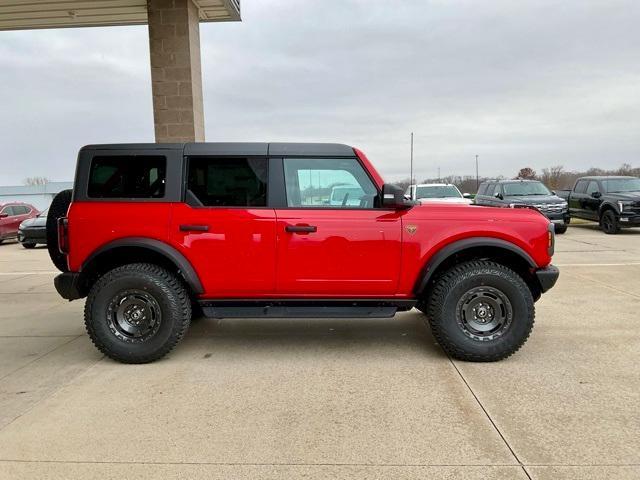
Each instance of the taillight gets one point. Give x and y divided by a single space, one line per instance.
63 235
551 239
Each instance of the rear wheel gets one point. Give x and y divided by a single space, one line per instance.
609 223
137 313
58 208
480 311
29 245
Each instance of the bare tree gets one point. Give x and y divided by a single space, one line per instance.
31 181
552 177
527 173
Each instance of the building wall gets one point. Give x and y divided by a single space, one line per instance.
40 196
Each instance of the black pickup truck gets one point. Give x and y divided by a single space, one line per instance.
614 202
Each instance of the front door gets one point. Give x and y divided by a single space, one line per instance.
333 239
225 228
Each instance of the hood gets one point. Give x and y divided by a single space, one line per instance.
532 199
34 222
623 196
466 201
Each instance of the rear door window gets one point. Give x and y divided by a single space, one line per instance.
127 176
228 182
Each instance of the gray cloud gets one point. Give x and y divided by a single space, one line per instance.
536 83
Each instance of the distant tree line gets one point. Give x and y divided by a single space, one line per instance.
556 178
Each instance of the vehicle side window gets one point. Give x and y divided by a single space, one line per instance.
490 189
8 211
581 186
20 210
328 183
593 187
229 182
127 176
482 189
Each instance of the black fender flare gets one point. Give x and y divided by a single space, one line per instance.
608 206
436 260
157 246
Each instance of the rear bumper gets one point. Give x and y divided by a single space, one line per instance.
547 277
69 285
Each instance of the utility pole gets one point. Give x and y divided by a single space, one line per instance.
411 172
477 176
438 174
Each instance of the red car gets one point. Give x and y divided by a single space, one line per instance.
12 215
250 230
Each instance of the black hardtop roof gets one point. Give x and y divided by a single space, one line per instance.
237 148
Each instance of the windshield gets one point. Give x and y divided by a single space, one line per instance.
618 185
437 191
43 213
524 188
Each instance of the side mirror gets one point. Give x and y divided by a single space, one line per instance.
4 215
596 194
553 192
466 195
393 197
498 195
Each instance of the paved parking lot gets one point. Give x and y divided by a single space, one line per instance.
329 398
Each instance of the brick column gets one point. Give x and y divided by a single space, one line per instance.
176 77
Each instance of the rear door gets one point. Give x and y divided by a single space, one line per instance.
577 198
348 248
225 228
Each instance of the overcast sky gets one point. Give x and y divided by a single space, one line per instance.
520 83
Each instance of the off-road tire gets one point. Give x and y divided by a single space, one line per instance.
29 246
443 310
609 223
169 295
560 229
58 208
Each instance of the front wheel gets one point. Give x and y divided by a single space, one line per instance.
137 313
609 223
480 311
29 245
560 229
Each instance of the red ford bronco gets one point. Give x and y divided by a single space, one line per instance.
151 231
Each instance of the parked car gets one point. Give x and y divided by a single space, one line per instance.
11 216
509 193
153 229
613 202
346 195
437 192
33 231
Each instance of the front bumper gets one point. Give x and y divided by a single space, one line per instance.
547 277
629 220
558 218
70 285
32 235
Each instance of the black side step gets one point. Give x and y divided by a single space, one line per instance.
304 308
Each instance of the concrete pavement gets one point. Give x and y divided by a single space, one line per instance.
329 398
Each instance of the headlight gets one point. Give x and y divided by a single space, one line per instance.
623 205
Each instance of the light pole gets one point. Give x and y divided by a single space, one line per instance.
411 171
477 177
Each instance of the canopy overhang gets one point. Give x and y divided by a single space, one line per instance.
30 14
